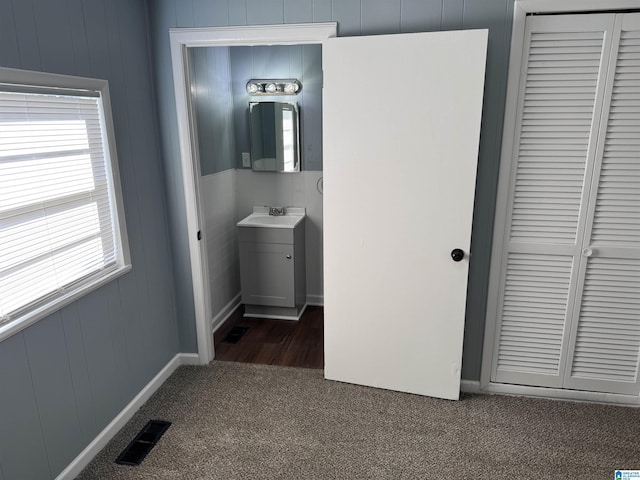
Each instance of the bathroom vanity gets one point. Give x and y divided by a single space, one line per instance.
272 263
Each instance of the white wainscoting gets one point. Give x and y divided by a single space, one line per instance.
218 197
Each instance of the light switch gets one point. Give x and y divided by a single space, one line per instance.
246 159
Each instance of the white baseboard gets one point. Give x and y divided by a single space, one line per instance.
189 359
98 443
473 386
294 318
315 300
225 313
561 394
469 386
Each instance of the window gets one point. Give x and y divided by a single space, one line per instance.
61 222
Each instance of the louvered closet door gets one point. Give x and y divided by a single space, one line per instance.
564 64
606 340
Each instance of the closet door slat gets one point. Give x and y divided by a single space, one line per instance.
605 346
561 93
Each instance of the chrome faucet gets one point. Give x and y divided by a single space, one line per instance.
276 211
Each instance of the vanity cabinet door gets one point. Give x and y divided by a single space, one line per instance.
267 274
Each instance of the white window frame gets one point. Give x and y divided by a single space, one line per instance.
53 81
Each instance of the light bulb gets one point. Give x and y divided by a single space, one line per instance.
271 88
290 88
252 88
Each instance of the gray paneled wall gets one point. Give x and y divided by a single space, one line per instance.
213 104
66 377
303 62
354 17
221 102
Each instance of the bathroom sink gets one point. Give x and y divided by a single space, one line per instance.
261 218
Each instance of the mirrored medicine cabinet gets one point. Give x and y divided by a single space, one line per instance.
275 138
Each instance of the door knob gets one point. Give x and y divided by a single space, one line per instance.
457 254
587 252
288 257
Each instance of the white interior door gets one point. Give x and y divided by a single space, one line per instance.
401 123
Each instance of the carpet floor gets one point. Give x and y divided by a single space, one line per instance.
244 421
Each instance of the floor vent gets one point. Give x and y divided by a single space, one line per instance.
235 334
140 446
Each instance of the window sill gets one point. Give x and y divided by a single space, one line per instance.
34 316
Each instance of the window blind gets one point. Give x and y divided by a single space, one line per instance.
57 215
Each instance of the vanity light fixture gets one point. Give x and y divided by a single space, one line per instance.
288 86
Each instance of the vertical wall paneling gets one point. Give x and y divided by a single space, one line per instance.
106 35
381 16
348 15
420 16
311 117
209 12
54 38
265 12
298 11
241 70
356 17
238 12
163 17
497 17
21 436
100 356
270 61
452 14
49 364
66 377
77 29
8 37
96 38
322 10
150 176
280 61
185 17
213 105
25 26
79 372
119 334
218 194
136 339
202 104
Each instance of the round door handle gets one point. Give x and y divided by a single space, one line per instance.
288 257
587 252
457 254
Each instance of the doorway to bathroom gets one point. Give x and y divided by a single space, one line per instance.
211 71
395 260
273 342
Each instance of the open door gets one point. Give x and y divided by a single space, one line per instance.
401 123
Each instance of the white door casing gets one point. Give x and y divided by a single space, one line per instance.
401 124
180 40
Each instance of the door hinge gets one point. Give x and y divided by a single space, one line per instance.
199 236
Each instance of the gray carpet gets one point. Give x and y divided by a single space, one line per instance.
241 421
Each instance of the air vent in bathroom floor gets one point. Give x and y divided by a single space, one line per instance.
142 444
235 334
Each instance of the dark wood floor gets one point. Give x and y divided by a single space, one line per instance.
275 342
